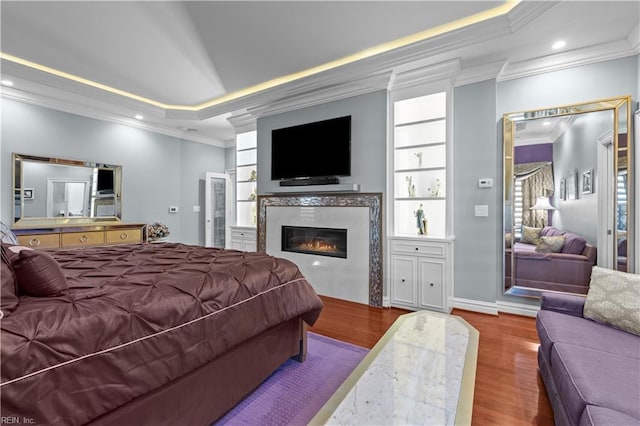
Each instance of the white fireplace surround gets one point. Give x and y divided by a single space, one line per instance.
358 277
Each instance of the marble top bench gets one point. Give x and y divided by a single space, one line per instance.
422 371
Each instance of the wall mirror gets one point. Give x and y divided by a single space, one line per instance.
52 190
568 195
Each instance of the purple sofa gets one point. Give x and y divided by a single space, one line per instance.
568 271
591 370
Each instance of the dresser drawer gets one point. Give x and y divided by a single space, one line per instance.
241 233
81 239
432 249
40 240
124 236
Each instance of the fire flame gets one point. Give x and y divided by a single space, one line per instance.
318 245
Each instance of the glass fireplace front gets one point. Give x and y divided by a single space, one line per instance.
330 242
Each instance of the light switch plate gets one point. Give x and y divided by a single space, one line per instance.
173 209
485 183
482 210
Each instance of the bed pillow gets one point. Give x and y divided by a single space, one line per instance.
7 235
614 299
530 235
8 293
550 244
38 274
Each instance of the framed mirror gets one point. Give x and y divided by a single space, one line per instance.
568 195
50 190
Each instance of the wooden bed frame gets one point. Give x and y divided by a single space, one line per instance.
207 393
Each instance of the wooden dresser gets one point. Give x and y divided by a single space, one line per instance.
70 235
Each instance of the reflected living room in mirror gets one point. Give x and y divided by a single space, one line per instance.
566 196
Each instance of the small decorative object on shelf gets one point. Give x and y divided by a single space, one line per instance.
435 192
421 221
157 231
411 188
419 155
253 176
253 196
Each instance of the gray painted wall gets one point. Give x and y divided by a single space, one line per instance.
158 171
477 268
368 139
577 150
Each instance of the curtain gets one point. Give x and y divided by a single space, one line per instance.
537 181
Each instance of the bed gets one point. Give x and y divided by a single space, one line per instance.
145 333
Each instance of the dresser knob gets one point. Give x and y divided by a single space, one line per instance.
123 236
34 242
402 280
431 284
84 239
417 249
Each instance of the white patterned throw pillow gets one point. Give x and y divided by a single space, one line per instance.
614 299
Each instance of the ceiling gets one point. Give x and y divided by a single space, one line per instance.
192 68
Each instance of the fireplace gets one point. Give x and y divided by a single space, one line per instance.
330 242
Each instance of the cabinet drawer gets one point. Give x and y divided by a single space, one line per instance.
40 240
124 236
241 234
431 249
81 239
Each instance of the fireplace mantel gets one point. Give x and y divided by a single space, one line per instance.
373 201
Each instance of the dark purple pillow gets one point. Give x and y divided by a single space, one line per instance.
38 274
573 244
8 293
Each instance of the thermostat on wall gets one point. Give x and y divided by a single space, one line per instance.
173 209
485 182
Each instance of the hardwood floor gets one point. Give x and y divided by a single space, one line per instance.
509 390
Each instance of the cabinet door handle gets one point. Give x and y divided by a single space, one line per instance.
34 242
402 280
124 236
417 249
431 284
84 238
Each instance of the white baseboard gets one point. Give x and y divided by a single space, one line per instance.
386 302
518 309
474 305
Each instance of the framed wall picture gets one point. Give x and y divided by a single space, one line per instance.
587 181
572 185
563 189
27 193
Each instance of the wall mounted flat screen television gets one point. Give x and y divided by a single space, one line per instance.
311 151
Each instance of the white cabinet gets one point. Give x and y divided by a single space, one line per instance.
243 238
420 273
420 255
246 179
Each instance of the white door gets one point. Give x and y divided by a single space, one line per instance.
218 211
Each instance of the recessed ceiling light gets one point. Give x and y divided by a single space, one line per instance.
546 123
6 82
559 44
139 117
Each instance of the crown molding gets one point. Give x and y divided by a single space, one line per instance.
242 121
85 109
565 60
479 73
526 11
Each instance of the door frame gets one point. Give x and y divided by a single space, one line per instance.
208 206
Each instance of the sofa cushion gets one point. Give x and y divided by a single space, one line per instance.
573 244
614 299
599 416
555 327
530 235
581 380
550 244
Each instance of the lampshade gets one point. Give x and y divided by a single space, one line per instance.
542 203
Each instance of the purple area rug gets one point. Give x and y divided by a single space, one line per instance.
295 392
